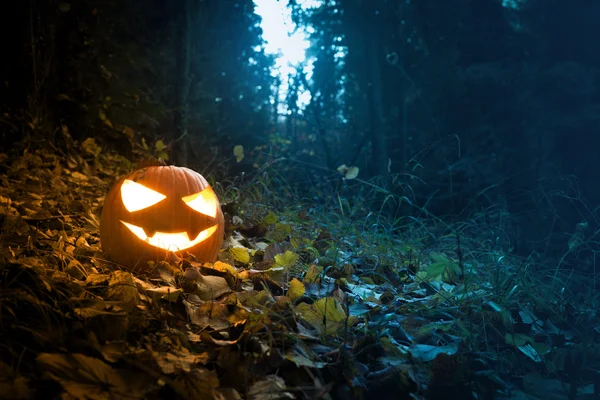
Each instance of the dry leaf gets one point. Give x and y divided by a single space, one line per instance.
211 287
122 288
171 363
165 293
312 275
86 377
327 315
238 152
296 289
271 387
240 254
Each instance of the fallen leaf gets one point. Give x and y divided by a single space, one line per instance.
351 173
287 259
86 377
312 275
13 384
271 387
214 314
102 116
271 218
171 363
296 289
240 254
122 288
165 293
238 152
211 287
326 315
303 361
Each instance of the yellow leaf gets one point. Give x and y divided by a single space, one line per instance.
240 254
255 299
63 96
312 275
326 315
276 273
238 152
160 145
270 219
224 267
283 228
102 116
90 146
351 173
296 242
296 289
286 259
128 132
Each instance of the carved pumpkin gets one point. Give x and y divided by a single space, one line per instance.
157 210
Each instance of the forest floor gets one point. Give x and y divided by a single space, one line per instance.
304 303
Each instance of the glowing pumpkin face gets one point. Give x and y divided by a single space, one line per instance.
157 210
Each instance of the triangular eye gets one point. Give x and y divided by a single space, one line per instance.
136 196
205 202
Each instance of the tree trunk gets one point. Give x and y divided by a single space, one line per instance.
380 155
180 149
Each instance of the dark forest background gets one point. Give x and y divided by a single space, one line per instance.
467 108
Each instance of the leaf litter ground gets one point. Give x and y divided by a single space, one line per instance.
297 307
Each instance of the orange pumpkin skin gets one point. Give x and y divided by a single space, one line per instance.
161 223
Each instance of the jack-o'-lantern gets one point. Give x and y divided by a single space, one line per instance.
157 210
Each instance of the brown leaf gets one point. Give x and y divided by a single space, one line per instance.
211 287
199 384
271 387
214 314
86 377
206 338
121 287
165 293
171 363
13 385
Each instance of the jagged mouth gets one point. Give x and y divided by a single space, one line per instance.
170 241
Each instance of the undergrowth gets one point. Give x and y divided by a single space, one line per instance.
318 293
